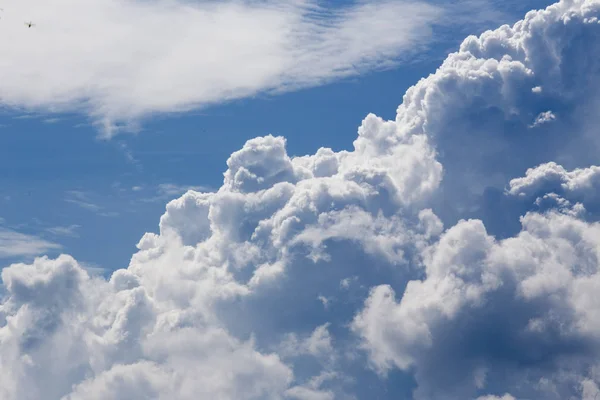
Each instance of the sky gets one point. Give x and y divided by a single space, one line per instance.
299 200
100 196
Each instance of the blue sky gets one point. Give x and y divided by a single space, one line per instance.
51 156
380 207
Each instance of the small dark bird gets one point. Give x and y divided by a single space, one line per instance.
29 24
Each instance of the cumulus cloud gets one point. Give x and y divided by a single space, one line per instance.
119 61
478 107
212 290
124 344
424 301
487 307
581 183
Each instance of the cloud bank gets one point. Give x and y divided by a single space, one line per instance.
377 272
123 60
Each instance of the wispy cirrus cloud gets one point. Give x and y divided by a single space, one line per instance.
70 231
17 244
120 61
82 200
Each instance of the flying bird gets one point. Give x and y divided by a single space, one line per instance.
29 24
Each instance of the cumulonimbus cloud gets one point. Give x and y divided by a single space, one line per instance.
227 299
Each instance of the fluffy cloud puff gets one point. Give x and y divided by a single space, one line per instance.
506 314
482 108
551 185
299 271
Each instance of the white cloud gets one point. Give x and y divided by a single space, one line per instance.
125 343
492 305
318 344
17 244
170 318
123 60
82 200
542 118
70 230
303 393
481 300
581 183
477 108
505 397
223 301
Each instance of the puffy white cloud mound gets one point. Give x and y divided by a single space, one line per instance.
483 107
332 276
580 185
493 310
67 334
172 324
